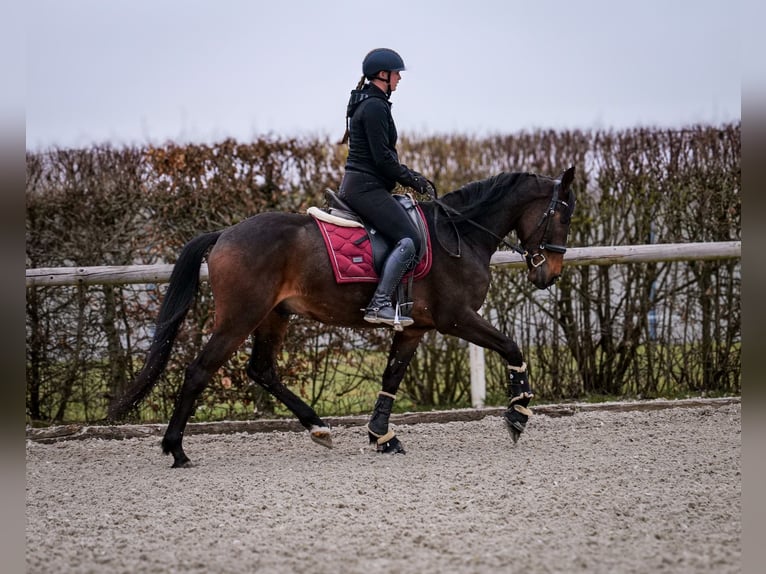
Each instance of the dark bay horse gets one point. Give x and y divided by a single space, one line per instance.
271 266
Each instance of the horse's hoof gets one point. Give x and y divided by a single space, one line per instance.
180 460
515 422
515 434
515 428
321 435
182 463
392 446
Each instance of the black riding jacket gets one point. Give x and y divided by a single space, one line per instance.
372 138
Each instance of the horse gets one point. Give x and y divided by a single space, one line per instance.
271 266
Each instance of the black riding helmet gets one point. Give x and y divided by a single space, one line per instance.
381 59
377 60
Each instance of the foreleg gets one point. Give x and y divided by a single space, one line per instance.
475 329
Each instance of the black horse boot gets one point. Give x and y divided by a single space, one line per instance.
380 308
519 393
378 430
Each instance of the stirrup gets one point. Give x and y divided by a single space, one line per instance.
397 321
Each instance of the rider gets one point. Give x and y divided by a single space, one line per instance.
372 172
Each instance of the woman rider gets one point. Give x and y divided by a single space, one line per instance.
373 170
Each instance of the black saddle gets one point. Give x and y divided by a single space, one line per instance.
381 247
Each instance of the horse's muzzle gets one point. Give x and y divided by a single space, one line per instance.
541 277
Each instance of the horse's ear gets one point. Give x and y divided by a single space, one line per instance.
567 178
565 188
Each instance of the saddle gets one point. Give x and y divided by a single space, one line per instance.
357 251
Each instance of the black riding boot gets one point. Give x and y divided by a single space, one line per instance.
380 309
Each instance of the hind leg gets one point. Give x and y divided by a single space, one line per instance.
216 352
403 348
262 369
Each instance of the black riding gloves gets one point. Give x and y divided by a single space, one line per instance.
421 184
432 191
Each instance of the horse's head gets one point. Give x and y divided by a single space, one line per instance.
543 231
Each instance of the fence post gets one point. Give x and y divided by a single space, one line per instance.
478 379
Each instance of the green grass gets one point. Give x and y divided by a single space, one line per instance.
350 388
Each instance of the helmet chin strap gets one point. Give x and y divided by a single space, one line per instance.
388 82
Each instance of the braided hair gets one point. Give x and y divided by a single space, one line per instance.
359 86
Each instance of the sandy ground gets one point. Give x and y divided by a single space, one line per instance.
594 492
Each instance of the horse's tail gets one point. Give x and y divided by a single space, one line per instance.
181 292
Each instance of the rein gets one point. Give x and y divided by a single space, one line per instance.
447 209
535 259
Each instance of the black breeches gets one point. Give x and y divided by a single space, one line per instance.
368 197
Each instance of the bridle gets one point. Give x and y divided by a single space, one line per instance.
535 258
538 257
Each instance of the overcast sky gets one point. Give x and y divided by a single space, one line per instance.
149 71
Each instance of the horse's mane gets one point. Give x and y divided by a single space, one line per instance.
478 196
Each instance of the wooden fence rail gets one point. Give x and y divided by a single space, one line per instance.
609 255
574 256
